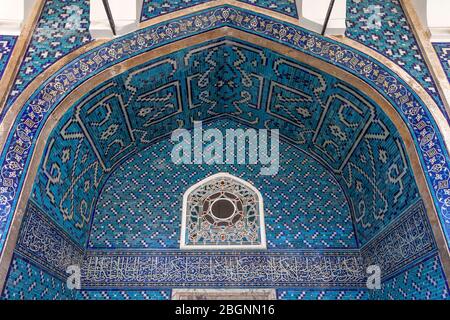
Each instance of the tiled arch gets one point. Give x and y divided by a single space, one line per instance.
40 106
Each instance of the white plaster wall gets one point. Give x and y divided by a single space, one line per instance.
435 14
126 14
13 14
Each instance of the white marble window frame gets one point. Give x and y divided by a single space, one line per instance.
261 246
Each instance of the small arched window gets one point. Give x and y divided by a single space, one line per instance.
223 212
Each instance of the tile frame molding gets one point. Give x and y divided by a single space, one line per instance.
358 77
20 49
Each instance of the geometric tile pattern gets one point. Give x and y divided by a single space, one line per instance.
287 7
402 242
393 38
412 103
155 8
7 44
28 282
421 125
340 268
424 281
443 51
101 268
304 206
294 294
334 123
62 28
124 295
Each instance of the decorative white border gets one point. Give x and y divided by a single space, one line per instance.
224 294
262 228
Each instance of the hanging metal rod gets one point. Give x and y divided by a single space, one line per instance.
327 17
110 16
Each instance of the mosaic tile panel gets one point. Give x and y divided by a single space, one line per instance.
287 7
140 204
68 180
223 211
268 269
424 281
62 28
28 282
46 244
443 51
335 124
432 153
124 295
7 44
155 8
295 294
402 242
52 250
391 36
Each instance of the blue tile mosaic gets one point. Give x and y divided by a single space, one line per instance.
124 295
420 123
236 269
443 51
50 248
305 207
155 8
69 179
28 282
287 7
7 44
424 281
392 37
295 294
45 244
336 125
62 28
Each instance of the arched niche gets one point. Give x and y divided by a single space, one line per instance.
396 95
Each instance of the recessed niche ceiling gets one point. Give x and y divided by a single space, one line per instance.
327 118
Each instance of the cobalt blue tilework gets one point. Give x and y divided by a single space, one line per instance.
393 38
152 9
141 269
424 281
405 240
443 51
62 28
124 295
28 282
305 207
295 294
155 8
414 113
287 7
46 244
68 180
7 44
335 124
